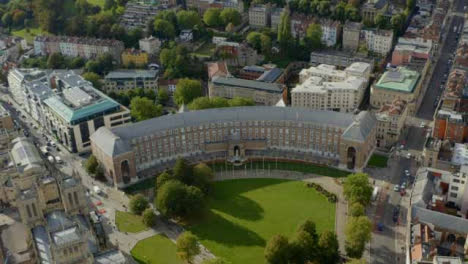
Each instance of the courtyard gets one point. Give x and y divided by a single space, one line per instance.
243 214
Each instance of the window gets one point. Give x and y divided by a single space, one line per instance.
455 188
453 195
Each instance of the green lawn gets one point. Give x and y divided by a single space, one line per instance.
290 166
29 33
377 161
206 50
128 222
244 214
155 250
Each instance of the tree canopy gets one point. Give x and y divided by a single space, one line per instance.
138 204
164 29
187 246
187 19
149 217
142 108
186 91
358 233
357 188
91 164
230 15
313 37
175 199
212 17
277 250
218 102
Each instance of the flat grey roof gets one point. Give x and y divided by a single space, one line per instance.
241 83
132 74
116 141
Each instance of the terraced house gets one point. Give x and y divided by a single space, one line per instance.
129 154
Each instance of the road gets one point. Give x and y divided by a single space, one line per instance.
441 70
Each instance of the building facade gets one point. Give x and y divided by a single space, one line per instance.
124 80
150 45
87 48
351 35
275 17
331 32
129 154
326 88
261 92
409 49
259 16
378 41
390 123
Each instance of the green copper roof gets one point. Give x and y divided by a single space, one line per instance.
400 80
71 114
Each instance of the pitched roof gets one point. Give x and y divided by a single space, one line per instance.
362 126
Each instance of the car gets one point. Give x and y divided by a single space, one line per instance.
408 155
380 227
396 188
422 124
407 173
51 159
58 160
403 185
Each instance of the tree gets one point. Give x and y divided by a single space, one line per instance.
163 96
254 40
212 17
410 4
352 13
340 12
354 3
182 171
357 188
187 246
303 248
230 15
92 66
313 37
138 204
163 178
149 217
241 101
163 29
186 91
77 63
202 177
168 15
265 41
7 20
216 261
356 261
175 199
142 108
187 19
356 209
284 30
277 250
309 227
91 164
109 4
329 248
55 61
94 79
18 17
380 21
358 233
398 21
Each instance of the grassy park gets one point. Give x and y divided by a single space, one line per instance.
377 161
155 250
128 222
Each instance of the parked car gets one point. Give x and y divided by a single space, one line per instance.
396 188
51 159
58 160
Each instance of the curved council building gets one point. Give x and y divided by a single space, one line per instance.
131 153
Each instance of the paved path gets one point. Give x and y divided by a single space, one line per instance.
329 183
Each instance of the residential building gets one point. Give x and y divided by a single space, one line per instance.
235 134
134 57
461 56
351 36
124 80
87 48
450 125
150 45
371 8
454 94
340 59
238 54
10 47
217 40
299 25
378 41
110 257
18 78
6 122
259 15
331 32
138 14
408 49
326 88
439 206
261 92
218 68
251 72
275 17
186 35
390 123
77 109
400 83
203 5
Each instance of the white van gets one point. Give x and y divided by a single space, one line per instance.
375 193
58 160
51 159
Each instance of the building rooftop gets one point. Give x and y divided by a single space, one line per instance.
400 80
41 239
218 68
66 236
110 257
460 154
316 84
25 155
132 74
79 40
117 141
352 26
270 76
395 108
15 239
249 84
447 260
